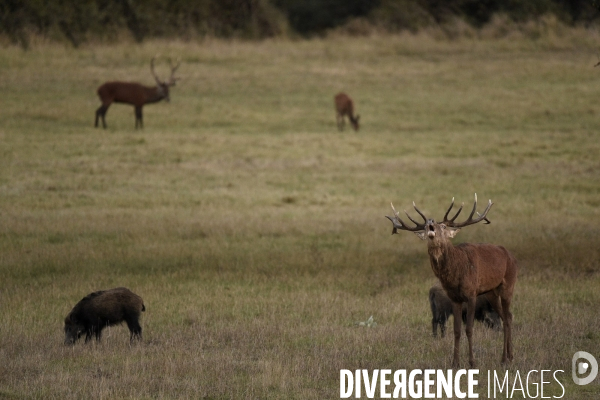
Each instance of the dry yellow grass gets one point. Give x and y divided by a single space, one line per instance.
255 232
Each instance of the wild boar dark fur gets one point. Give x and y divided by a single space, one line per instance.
441 309
104 308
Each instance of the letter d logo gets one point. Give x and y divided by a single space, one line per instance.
590 364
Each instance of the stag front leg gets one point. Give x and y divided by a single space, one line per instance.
469 331
507 353
457 312
100 113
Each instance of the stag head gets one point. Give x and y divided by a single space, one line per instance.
438 232
163 86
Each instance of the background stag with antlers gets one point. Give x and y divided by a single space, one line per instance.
134 94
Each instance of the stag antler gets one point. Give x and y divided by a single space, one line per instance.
446 220
399 224
470 220
152 70
172 78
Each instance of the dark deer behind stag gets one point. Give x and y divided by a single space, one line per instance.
135 94
467 270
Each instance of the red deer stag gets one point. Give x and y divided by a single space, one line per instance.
467 270
345 106
134 94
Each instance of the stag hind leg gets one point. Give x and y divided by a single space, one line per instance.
138 118
469 328
507 353
501 304
457 312
100 113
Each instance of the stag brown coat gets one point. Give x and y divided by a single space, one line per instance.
135 94
104 308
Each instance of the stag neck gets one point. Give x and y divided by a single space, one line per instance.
156 93
447 262
440 249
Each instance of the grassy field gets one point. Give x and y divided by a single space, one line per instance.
255 231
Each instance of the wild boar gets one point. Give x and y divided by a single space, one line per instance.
441 309
104 308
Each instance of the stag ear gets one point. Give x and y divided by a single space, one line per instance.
421 235
452 232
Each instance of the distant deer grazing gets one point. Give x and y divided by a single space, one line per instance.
344 106
466 271
441 309
134 94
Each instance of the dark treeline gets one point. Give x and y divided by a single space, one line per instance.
81 20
